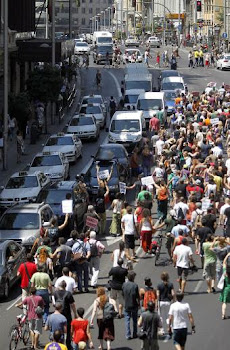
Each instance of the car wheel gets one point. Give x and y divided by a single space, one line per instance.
6 289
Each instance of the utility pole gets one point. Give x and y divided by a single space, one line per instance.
179 24
5 42
195 20
152 14
127 18
164 25
122 21
47 21
53 33
70 18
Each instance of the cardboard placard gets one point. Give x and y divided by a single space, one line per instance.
122 187
104 174
205 204
148 180
91 222
67 206
215 121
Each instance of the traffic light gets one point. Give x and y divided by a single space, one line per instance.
198 6
134 3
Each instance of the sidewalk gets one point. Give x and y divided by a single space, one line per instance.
31 150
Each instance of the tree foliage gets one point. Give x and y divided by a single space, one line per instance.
44 84
19 106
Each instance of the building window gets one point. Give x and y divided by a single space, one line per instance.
83 21
98 10
90 1
82 1
90 10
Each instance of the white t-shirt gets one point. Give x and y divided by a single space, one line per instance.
217 151
159 147
128 220
183 206
222 209
183 252
116 253
70 283
180 312
211 188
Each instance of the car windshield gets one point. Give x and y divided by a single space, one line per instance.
91 100
170 95
130 52
81 44
146 105
19 221
227 57
22 182
118 152
131 98
125 125
51 160
52 196
138 84
59 141
81 121
172 86
90 110
93 170
169 74
104 40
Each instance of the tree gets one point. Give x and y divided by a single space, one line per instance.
20 109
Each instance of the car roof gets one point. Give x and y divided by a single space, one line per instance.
91 105
173 79
61 134
170 71
25 173
60 185
25 208
40 154
151 94
77 116
111 145
91 96
127 115
134 91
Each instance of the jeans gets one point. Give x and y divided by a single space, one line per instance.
94 266
82 268
45 296
128 315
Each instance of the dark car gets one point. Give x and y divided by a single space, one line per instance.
11 256
90 177
100 52
54 193
115 151
167 73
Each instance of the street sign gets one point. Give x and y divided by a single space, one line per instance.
224 35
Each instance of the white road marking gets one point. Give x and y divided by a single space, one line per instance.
15 302
111 240
199 284
116 83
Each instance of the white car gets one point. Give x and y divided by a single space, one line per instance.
174 83
54 165
81 48
132 56
94 99
223 62
96 110
69 145
132 41
84 126
153 41
22 188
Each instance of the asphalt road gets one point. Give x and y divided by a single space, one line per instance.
211 330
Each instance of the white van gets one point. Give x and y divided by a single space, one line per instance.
138 81
174 83
126 128
131 96
149 102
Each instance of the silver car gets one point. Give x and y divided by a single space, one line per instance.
84 126
153 41
96 110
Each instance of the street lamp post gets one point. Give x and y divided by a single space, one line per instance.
5 39
103 13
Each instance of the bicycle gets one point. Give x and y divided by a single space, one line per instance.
156 247
19 332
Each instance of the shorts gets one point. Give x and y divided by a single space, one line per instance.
36 325
182 271
180 336
210 271
117 295
129 241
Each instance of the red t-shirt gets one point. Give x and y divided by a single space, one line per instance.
32 303
154 123
79 335
31 268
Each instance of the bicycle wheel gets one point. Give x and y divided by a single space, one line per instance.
14 338
26 333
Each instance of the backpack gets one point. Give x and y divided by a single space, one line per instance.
109 312
150 295
93 249
112 104
180 215
100 205
61 300
43 255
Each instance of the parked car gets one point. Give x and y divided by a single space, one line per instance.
12 255
54 193
153 41
54 165
132 56
81 48
94 99
70 145
22 222
132 41
22 188
84 126
223 62
96 110
100 52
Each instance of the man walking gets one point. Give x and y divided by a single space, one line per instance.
182 256
71 285
178 314
26 271
96 251
118 274
150 323
132 302
129 229
57 322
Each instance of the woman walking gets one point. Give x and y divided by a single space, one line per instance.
146 230
105 326
119 253
165 294
80 330
162 199
20 146
225 294
117 206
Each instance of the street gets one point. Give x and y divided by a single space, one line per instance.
211 331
